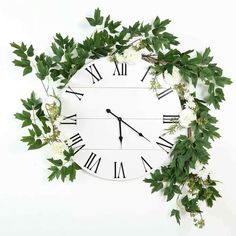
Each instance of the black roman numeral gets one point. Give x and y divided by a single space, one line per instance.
121 69
77 94
70 120
164 93
76 143
145 74
92 163
146 164
118 170
164 144
95 74
170 119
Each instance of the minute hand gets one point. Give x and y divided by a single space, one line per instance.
140 134
121 120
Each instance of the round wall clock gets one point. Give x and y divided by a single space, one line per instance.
120 120
115 123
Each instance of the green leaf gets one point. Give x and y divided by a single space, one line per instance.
169 192
176 214
30 51
55 173
22 63
58 162
36 145
63 173
26 123
97 20
156 186
37 130
27 70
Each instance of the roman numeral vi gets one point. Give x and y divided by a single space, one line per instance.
118 170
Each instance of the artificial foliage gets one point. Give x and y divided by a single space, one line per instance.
175 180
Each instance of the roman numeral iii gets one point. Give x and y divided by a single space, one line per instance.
164 144
75 142
119 170
77 94
170 119
120 69
93 71
69 120
93 163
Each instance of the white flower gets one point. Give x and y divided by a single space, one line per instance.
190 101
186 116
197 169
188 97
57 149
131 56
174 78
120 58
190 104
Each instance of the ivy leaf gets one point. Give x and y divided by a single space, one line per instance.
169 192
72 171
55 173
30 51
36 145
176 214
27 70
63 173
55 162
97 20
37 130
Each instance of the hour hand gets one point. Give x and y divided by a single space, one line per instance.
120 131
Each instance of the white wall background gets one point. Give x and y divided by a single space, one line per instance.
29 204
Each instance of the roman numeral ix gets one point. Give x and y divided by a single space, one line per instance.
164 144
121 69
93 163
93 71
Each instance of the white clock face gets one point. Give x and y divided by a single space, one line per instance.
115 123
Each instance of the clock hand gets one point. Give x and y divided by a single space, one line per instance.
120 137
121 120
140 134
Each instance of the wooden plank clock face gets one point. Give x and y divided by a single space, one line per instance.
115 122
